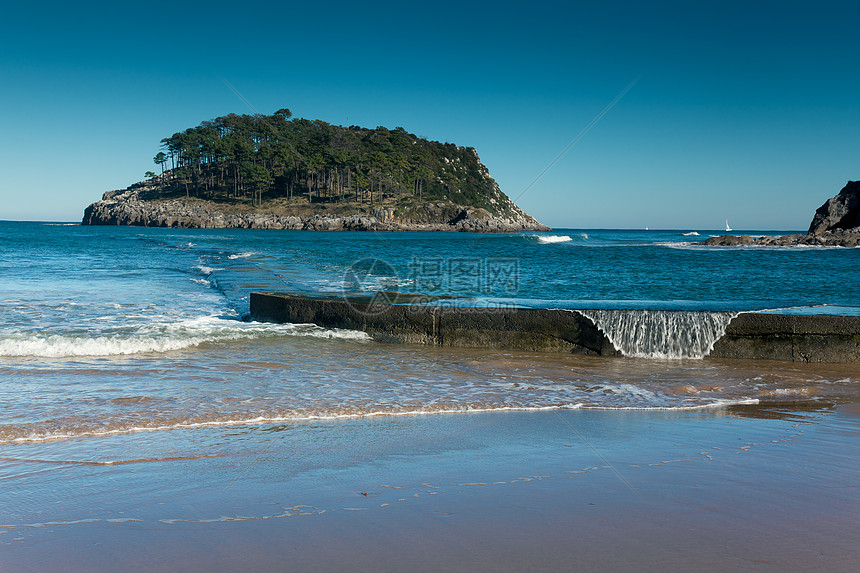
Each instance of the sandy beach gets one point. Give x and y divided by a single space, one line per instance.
764 488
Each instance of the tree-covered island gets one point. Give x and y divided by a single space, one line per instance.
279 172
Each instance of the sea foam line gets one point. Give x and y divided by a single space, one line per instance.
258 420
720 403
158 338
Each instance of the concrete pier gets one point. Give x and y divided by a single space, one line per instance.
800 338
792 337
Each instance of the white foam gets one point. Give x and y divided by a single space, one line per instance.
788 248
163 337
242 255
674 244
48 436
725 403
206 270
691 234
549 239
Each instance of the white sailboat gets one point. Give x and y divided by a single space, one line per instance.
728 229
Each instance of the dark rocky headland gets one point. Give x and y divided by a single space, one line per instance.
274 172
835 224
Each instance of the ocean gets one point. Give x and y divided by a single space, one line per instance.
124 347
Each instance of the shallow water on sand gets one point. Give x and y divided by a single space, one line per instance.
628 490
266 381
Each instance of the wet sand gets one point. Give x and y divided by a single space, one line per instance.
763 488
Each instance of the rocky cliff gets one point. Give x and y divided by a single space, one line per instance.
835 224
839 213
130 207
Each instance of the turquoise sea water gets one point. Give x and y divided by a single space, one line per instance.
124 329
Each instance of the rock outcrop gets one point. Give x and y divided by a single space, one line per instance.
835 224
126 207
836 238
839 213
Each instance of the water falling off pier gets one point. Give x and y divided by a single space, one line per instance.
660 333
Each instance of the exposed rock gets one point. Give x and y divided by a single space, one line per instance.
840 212
729 240
836 238
835 224
128 208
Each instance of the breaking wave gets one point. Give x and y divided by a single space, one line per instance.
242 255
549 239
160 338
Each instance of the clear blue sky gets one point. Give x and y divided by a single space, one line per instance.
747 111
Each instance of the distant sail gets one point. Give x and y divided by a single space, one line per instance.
727 226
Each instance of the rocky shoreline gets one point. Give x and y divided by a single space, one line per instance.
126 207
837 238
835 224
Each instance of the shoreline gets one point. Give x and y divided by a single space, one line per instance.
237 423
846 238
127 208
626 491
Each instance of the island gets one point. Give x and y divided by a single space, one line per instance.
278 172
835 224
